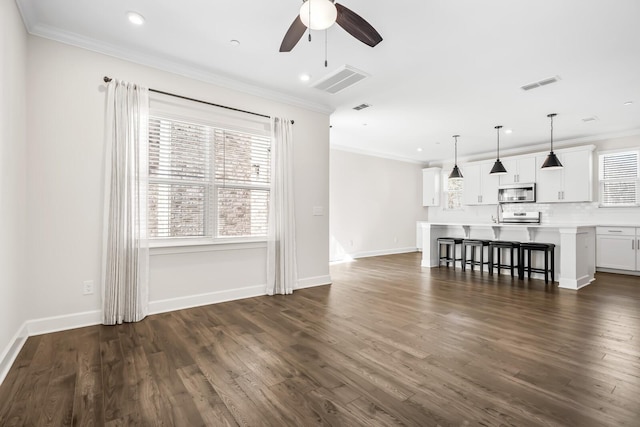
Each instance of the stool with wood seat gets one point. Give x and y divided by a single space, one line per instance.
473 244
450 244
495 262
549 259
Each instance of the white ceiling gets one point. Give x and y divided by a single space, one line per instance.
444 66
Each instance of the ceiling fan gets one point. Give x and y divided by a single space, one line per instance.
320 15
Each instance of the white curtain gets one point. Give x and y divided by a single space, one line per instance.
126 250
282 270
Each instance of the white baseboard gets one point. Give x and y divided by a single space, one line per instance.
382 252
47 325
616 271
180 303
9 355
310 282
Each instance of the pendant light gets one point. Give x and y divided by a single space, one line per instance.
498 167
455 173
552 162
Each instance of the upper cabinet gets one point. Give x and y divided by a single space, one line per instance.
431 186
480 188
519 170
572 183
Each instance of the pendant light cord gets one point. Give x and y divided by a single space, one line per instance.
551 116
552 133
456 150
326 47
498 150
309 19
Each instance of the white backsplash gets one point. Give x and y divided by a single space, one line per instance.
551 213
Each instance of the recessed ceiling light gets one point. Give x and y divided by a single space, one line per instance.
419 150
234 42
135 18
628 103
305 77
364 124
508 131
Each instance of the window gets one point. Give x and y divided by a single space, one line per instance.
452 192
619 179
206 180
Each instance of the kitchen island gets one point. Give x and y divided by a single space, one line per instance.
575 245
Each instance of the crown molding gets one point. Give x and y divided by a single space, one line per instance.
164 64
372 153
537 147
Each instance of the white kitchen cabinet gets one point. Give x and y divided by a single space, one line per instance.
572 183
431 186
519 170
480 187
617 248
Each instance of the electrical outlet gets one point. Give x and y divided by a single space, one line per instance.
87 287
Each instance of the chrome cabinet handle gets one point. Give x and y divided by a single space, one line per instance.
614 231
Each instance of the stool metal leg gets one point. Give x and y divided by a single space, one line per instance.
464 257
553 265
546 266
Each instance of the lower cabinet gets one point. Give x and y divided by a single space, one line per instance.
617 248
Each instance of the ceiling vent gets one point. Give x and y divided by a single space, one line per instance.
361 107
344 77
540 83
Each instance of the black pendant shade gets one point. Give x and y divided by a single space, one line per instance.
498 167
455 173
552 161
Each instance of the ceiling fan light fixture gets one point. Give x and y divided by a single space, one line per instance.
552 162
318 14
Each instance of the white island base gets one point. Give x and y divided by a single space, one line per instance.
575 252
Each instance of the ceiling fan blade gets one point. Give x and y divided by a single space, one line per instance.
355 25
294 34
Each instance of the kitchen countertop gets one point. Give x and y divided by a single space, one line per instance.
493 224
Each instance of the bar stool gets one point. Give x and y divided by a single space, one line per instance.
549 252
449 243
473 244
498 246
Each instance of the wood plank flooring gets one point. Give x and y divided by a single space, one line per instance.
389 343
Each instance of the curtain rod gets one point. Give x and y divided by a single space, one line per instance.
108 79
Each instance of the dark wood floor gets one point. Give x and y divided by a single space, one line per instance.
388 343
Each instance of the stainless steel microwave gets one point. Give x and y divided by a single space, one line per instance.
517 193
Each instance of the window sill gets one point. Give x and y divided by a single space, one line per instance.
619 206
180 246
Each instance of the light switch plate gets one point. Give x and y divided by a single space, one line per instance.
318 211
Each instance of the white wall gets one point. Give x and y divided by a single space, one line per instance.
13 165
66 104
375 203
557 213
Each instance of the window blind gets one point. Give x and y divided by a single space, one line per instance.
619 179
205 181
242 175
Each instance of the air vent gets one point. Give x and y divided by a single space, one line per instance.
589 119
361 107
540 83
344 77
